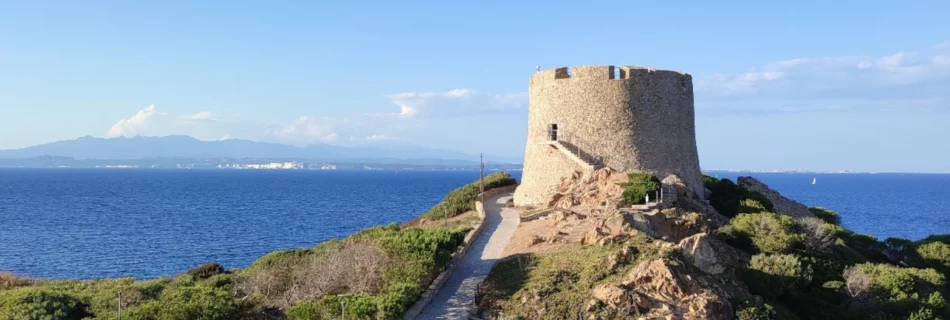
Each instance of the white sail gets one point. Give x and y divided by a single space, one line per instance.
814 180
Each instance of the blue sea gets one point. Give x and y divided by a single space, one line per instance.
88 223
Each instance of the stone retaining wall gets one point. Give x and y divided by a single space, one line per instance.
439 281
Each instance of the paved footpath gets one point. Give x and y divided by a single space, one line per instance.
459 290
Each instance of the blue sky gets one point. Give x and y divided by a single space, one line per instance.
815 85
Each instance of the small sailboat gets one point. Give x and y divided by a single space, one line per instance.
814 180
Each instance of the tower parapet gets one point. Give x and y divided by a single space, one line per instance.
629 118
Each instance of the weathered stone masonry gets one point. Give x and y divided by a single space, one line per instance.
633 118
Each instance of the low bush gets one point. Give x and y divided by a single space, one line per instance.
935 255
819 237
9 280
777 275
460 200
944 238
896 293
40 303
730 199
827 215
751 206
206 270
639 186
751 310
767 232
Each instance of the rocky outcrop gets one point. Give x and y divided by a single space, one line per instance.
659 289
780 203
600 188
710 255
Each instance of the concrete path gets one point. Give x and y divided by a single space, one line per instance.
459 290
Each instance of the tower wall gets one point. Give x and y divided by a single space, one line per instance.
635 118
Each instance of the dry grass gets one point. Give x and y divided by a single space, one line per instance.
350 268
9 280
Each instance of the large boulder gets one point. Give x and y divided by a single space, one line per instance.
624 223
710 255
600 188
658 289
780 203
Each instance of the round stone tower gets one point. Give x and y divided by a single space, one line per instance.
631 119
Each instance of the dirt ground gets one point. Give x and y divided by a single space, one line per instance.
545 235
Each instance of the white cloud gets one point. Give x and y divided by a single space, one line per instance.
139 122
203 115
438 119
375 138
903 79
454 103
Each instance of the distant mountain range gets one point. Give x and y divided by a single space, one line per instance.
188 147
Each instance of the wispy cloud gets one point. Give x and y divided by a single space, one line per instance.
455 102
907 79
419 112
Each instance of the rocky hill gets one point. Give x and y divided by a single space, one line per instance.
750 253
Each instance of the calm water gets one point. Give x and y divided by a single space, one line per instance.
148 223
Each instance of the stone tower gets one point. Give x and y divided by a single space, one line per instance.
626 118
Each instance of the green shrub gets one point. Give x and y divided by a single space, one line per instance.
768 232
206 270
776 275
197 302
461 200
728 198
944 238
898 292
751 206
935 255
751 310
638 186
40 303
828 215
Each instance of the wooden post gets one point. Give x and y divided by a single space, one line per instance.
481 174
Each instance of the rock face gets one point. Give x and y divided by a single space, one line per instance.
710 255
659 290
782 204
593 188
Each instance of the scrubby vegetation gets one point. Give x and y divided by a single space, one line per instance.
827 215
561 281
639 186
812 268
376 273
463 199
730 199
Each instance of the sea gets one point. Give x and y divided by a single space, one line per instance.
96 223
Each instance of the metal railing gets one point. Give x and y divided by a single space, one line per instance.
582 148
